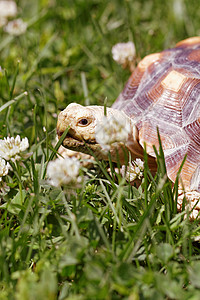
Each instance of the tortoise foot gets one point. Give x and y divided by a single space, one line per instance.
192 203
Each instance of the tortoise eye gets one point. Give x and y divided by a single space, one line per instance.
83 122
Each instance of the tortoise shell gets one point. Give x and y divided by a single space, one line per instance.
164 92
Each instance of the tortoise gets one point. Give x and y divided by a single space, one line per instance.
163 92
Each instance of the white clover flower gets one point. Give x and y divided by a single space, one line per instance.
16 27
4 168
134 170
64 171
111 130
7 9
10 148
124 53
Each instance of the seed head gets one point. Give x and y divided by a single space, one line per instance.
7 9
64 171
124 54
16 27
112 130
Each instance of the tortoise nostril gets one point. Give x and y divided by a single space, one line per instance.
59 132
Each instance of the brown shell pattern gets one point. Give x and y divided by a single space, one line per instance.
164 92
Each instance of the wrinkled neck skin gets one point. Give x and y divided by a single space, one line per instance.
81 137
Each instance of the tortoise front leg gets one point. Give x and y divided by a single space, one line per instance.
192 202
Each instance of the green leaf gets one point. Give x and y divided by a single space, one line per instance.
194 274
164 252
15 205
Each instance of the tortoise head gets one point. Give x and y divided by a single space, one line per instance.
82 122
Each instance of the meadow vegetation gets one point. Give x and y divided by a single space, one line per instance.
102 238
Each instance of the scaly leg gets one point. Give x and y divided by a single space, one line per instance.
192 202
86 160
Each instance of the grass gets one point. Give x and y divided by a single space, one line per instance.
106 239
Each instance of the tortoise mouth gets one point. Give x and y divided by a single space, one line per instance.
71 139
85 146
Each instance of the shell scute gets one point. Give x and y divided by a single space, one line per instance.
194 55
187 60
149 60
193 131
191 104
189 42
132 85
